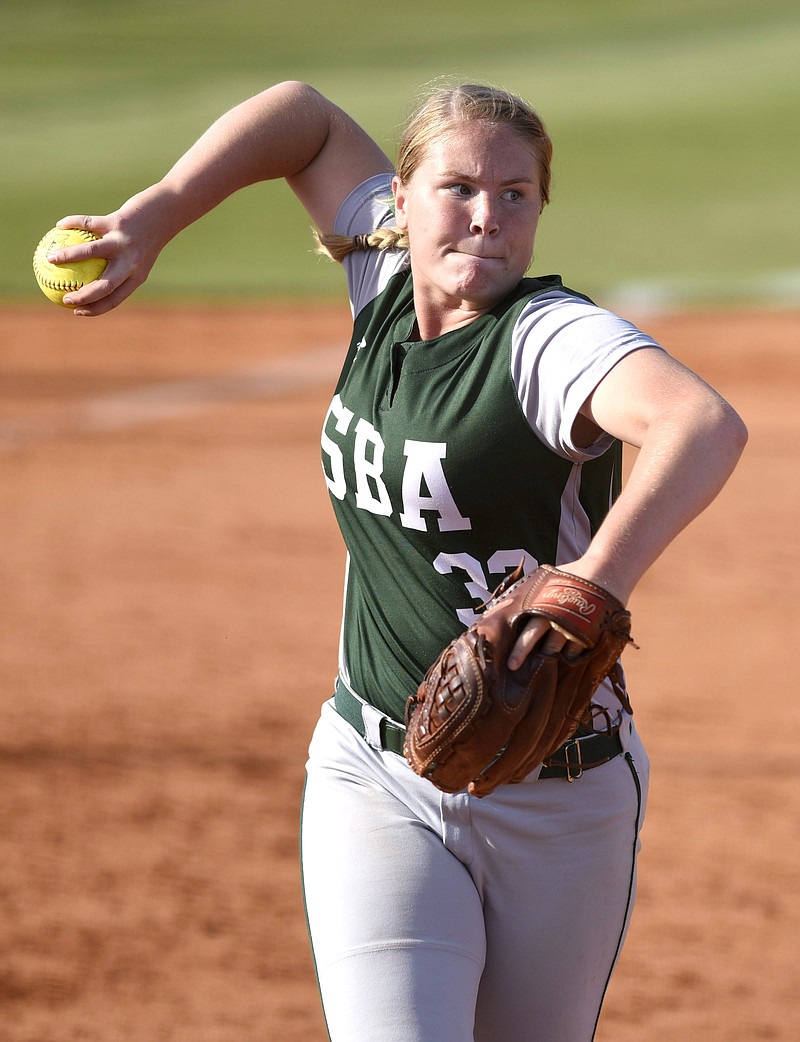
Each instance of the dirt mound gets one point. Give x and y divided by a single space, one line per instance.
165 524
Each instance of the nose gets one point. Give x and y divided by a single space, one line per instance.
484 218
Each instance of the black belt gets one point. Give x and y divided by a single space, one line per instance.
350 708
580 754
575 756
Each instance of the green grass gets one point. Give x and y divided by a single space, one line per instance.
676 126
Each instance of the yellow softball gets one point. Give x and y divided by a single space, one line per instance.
57 279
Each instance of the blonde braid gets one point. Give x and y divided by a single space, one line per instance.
336 247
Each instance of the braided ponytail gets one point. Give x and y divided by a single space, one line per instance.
337 247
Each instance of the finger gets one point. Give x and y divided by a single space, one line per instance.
530 637
82 251
92 302
90 293
98 247
97 225
79 252
572 650
553 643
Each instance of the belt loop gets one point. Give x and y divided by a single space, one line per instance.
372 725
574 767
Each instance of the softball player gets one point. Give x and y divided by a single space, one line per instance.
478 419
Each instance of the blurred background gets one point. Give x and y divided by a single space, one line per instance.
676 129
167 543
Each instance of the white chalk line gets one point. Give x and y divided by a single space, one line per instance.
777 288
156 403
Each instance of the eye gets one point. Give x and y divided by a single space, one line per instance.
459 189
513 194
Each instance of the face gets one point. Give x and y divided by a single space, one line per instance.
471 209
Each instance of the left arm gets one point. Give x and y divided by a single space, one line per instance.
689 440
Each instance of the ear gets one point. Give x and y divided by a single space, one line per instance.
399 194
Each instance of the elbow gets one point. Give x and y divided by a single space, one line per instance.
293 96
298 92
727 429
736 429
292 86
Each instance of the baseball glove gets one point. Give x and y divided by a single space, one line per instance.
475 723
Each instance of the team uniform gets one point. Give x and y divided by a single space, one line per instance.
434 917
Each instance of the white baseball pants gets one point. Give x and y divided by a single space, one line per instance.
438 918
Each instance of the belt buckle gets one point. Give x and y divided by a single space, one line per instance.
574 768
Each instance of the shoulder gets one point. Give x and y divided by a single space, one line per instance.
368 272
562 346
366 207
558 319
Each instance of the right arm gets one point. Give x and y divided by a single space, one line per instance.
288 131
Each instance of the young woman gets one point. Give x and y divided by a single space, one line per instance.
478 419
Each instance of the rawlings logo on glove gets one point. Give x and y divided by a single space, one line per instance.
476 724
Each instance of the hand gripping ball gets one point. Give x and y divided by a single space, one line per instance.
57 279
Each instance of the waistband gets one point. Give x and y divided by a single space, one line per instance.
379 730
580 753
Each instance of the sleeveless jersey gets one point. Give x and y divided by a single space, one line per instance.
441 485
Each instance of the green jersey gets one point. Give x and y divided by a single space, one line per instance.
446 467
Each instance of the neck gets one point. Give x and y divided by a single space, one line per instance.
434 322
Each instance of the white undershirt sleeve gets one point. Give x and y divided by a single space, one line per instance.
562 347
368 271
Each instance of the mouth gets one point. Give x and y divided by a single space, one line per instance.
476 256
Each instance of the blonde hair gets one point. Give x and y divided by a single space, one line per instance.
336 247
433 116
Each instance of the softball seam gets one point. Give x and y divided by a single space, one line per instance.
47 281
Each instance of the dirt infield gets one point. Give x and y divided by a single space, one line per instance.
167 542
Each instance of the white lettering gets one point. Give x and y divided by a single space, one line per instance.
503 561
336 481
424 463
476 586
369 471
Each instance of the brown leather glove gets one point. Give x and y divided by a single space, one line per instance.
477 724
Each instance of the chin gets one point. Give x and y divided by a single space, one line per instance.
486 291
